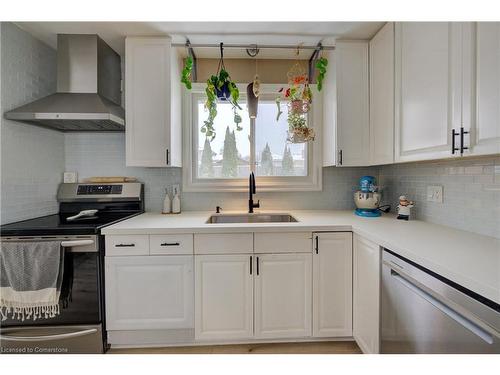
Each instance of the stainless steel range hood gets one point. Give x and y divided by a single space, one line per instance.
88 94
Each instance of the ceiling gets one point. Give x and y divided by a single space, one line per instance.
282 33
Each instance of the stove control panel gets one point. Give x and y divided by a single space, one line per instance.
99 189
101 192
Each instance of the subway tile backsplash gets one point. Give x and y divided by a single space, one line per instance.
471 191
103 154
32 158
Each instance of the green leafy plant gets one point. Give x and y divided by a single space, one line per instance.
186 72
221 87
321 65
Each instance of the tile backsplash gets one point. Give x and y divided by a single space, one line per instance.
471 191
101 154
32 158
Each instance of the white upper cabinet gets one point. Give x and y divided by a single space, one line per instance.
332 284
152 103
485 135
346 133
283 295
382 96
430 85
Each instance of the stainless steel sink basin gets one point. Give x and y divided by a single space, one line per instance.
251 218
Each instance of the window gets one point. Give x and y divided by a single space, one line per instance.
225 163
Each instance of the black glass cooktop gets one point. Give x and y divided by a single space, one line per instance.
58 225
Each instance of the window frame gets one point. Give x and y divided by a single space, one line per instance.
311 182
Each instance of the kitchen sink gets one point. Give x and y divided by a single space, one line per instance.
251 218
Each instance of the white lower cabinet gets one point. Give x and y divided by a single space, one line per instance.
223 297
366 294
149 292
295 292
283 292
332 284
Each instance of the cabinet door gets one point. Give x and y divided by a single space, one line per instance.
283 295
224 297
428 89
366 293
332 285
382 96
353 133
486 133
147 101
149 292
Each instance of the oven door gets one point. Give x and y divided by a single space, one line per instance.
80 318
69 339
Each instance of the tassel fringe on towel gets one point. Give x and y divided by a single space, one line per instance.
20 312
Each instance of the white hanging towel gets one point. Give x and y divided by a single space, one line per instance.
31 275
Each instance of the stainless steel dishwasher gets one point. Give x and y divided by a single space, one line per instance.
422 312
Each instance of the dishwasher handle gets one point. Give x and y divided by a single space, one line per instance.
451 313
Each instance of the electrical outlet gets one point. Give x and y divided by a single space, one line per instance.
435 193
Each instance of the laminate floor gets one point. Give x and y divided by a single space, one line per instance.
326 347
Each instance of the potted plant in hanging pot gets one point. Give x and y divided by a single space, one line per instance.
220 87
299 97
298 131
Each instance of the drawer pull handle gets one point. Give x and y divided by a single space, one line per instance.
125 245
170 244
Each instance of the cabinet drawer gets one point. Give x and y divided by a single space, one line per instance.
127 245
237 243
288 242
171 244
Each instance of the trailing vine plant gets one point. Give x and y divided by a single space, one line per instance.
321 65
220 87
186 72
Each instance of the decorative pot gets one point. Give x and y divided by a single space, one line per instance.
223 93
300 135
252 101
299 106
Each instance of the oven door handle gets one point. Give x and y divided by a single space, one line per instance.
49 337
77 243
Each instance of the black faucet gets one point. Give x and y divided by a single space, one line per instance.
251 192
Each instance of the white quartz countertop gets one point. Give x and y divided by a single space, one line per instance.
469 259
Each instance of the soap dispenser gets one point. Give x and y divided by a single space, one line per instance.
176 201
166 203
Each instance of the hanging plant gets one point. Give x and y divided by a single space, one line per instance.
299 97
321 65
186 72
220 87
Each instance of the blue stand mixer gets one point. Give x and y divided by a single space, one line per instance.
367 198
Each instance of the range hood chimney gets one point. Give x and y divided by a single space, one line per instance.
88 94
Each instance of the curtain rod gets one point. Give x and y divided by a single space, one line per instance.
255 46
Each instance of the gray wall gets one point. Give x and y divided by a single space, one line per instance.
104 154
32 158
471 191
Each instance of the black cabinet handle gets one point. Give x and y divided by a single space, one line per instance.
170 244
257 259
453 135
462 133
125 245
251 261
340 157
167 156
317 244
